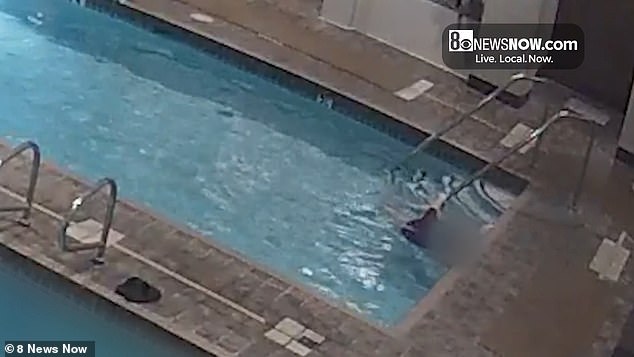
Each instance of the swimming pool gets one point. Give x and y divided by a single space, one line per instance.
37 305
256 167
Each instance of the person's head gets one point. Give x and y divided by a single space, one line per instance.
439 202
419 176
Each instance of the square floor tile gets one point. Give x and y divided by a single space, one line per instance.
89 231
587 111
298 348
277 337
312 336
290 327
415 90
609 260
516 135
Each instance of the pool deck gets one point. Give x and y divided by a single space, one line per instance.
531 293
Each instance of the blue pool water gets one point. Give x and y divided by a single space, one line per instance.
255 167
33 307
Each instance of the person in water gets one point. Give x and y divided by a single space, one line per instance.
417 230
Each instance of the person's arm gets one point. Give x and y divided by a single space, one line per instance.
417 223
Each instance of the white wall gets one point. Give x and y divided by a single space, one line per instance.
626 142
413 26
416 26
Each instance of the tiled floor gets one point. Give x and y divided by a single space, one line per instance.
522 297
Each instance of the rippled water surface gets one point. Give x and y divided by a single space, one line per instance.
275 176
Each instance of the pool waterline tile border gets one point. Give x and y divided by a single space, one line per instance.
312 88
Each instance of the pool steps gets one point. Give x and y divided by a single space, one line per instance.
65 245
102 243
33 176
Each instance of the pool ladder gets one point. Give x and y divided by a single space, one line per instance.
519 77
68 218
33 176
535 135
77 203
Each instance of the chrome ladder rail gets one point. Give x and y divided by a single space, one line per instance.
33 176
100 246
535 135
489 98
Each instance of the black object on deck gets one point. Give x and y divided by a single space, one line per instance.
137 290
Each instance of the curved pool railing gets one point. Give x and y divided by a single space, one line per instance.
33 176
100 245
519 77
534 136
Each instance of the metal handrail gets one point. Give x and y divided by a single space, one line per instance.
100 246
435 136
535 134
35 170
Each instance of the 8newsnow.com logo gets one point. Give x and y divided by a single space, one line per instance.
460 40
512 46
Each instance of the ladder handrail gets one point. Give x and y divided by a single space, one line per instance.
100 246
535 134
486 100
33 176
